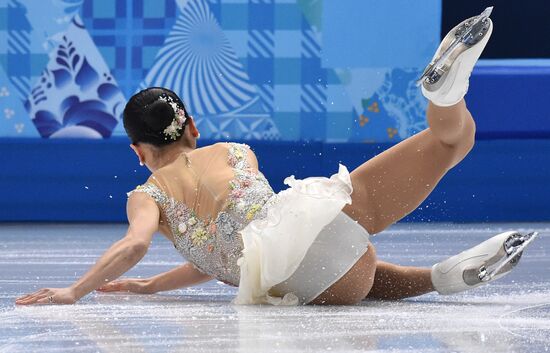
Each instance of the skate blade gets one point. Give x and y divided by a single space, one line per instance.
514 252
437 68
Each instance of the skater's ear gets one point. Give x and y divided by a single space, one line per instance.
138 149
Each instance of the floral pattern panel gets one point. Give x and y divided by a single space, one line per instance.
76 96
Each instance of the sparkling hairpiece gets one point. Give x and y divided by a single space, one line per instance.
173 131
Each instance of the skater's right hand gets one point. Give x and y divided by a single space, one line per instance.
49 296
134 285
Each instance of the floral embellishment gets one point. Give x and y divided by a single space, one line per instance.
173 131
182 228
253 210
210 247
199 236
239 154
212 228
231 204
192 221
225 224
236 154
153 191
237 193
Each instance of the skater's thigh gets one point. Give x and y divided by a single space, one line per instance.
391 185
354 286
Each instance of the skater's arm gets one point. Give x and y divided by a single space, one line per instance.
143 216
185 275
182 276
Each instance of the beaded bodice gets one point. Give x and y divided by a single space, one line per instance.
209 236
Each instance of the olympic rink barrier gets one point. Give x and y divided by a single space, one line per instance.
87 180
509 98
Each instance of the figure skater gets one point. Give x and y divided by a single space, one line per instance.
308 244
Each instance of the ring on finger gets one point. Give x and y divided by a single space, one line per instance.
50 299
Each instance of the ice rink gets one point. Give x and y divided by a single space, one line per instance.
509 315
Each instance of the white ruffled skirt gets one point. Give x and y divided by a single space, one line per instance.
303 245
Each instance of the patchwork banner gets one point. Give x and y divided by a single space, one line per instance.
293 70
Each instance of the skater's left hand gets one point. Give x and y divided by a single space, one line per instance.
48 296
134 285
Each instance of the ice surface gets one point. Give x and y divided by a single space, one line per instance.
509 315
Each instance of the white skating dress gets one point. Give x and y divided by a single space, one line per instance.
278 248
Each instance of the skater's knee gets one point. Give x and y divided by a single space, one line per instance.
467 140
469 131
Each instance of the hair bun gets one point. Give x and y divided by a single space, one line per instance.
158 115
149 112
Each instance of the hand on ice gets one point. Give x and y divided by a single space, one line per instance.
48 296
134 285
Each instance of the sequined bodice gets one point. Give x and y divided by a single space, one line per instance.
214 245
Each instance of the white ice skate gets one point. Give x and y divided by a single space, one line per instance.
445 80
481 264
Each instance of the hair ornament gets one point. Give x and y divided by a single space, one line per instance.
173 131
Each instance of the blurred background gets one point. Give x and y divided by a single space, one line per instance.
307 83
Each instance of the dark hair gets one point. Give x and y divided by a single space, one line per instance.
146 116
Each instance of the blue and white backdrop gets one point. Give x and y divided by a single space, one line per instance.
332 70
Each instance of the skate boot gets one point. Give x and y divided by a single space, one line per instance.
445 80
481 264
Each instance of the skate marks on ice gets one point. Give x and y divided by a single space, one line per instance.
531 323
507 316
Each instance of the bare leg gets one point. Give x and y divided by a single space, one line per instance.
376 280
398 282
391 185
395 182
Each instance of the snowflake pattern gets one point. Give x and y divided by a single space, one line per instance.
9 113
